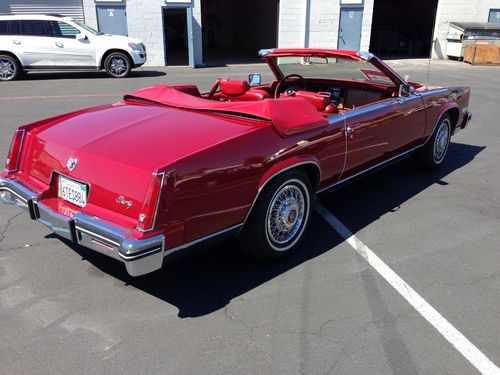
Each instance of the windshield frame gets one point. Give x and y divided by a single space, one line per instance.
87 28
270 55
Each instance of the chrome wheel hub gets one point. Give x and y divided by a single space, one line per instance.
118 65
441 141
286 214
7 69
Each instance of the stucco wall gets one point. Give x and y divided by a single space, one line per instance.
315 23
458 10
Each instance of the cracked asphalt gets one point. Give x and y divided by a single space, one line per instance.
64 309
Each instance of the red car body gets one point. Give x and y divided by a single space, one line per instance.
166 167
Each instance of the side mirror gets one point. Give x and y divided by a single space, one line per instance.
405 90
81 37
254 79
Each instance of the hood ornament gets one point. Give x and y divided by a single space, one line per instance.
71 163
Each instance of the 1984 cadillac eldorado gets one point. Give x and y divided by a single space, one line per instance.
167 167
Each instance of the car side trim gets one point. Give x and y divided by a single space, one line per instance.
202 239
372 168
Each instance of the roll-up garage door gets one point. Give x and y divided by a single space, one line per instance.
71 8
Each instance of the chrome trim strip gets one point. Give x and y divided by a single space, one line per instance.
273 176
93 234
369 169
140 255
194 242
5 188
19 153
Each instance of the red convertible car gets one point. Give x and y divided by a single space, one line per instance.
167 167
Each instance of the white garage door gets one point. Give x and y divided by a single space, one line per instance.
71 8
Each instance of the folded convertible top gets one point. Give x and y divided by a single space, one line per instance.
289 115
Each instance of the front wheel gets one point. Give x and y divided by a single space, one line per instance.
433 153
280 218
9 68
117 65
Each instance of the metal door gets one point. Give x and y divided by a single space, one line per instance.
494 16
112 19
350 28
382 130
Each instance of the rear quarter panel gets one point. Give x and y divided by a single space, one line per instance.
214 189
440 100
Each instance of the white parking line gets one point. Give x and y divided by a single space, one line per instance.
450 333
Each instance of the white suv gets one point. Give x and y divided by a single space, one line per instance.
53 42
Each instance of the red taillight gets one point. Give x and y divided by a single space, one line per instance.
151 202
14 155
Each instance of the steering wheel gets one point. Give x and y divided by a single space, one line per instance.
297 79
214 88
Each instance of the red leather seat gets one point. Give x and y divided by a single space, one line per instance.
240 91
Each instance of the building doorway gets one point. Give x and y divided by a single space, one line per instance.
175 36
402 29
235 30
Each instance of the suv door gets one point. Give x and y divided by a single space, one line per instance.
31 39
70 51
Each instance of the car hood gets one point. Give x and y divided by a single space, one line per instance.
122 39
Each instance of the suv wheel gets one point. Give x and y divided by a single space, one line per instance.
117 65
9 68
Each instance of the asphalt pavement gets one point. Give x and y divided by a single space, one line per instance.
325 310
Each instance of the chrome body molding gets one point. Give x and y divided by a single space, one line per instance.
200 240
140 256
372 168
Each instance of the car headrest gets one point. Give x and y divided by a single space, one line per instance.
234 87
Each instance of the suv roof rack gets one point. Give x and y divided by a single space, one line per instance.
56 15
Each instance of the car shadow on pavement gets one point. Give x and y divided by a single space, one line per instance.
39 76
207 281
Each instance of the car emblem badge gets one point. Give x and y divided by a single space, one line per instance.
71 163
121 199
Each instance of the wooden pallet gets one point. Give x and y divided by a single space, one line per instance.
482 54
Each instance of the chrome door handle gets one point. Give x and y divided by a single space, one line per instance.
59 44
18 42
349 130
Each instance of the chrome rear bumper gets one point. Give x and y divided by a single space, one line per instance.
140 256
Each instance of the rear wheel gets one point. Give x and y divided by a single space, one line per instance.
9 68
117 65
278 222
434 152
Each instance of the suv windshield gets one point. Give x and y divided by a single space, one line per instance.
88 28
331 68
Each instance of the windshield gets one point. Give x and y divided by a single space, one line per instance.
331 68
88 28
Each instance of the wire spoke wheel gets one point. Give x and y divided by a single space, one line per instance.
441 141
277 223
285 214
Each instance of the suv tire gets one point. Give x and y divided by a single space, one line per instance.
117 65
9 68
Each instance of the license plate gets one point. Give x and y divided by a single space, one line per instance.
72 191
